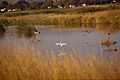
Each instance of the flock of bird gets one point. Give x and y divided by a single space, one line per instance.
107 43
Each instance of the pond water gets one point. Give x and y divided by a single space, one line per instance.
83 39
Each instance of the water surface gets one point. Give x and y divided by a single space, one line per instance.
86 40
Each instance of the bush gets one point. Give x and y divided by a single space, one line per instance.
2 29
3 23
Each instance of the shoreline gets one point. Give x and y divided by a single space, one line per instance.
104 17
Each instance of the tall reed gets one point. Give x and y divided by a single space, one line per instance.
23 63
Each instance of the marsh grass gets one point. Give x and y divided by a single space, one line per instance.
23 63
92 20
97 14
104 20
105 17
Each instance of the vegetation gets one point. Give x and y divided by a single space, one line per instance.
24 29
2 29
103 17
25 5
79 15
25 64
3 24
98 14
76 10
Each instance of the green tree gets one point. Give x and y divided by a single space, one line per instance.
4 4
34 5
47 3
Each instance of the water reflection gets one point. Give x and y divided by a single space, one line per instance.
99 27
2 34
25 34
108 28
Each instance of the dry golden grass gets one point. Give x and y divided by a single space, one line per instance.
104 17
18 63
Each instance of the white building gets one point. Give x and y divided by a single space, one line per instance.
71 6
84 5
2 10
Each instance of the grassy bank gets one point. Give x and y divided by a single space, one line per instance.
104 17
98 14
25 64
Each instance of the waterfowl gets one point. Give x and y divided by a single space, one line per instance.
36 31
61 44
86 31
108 43
112 50
109 33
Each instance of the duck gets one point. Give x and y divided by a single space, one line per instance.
112 50
108 43
36 31
61 44
109 33
86 31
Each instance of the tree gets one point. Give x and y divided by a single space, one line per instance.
4 4
61 3
23 5
47 3
34 5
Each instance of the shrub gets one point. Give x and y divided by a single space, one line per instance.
2 29
3 23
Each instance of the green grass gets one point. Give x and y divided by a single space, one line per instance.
87 9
